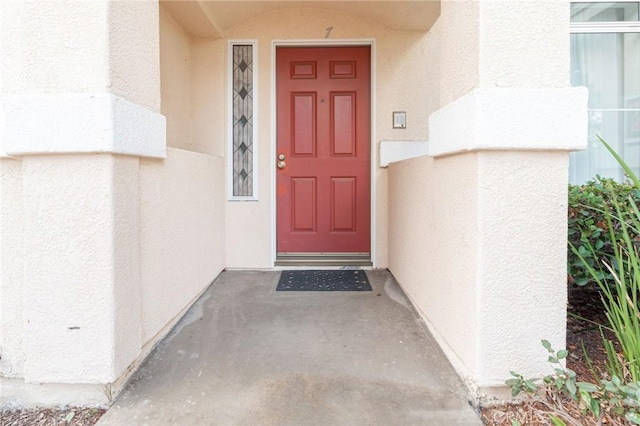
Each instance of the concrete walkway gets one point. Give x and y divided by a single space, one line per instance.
248 355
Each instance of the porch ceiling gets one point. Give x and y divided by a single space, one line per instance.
211 19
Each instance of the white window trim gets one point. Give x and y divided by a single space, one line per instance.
604 1
229 162
605 27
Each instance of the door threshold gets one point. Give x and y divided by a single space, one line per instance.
323 259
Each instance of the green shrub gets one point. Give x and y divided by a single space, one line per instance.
589 230
621 292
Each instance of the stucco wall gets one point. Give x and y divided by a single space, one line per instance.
193 88
71 307
182 198
32 33
462 246
403 83
133 51
522 258
508 30
181 233
176 81
433 244
80 234
209 96
93 63
11 268
477 233
69 251
86 234
81 47
459 32
483 45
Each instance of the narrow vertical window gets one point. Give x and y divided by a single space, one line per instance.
243 152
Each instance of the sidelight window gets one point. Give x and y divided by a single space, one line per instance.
243 149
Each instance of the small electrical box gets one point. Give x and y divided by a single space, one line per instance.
399 119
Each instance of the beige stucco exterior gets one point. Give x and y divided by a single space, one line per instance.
114 210
455 267
460 214
397 78
101 253
182 228
12 265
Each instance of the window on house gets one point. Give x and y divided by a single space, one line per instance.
243 157
605 57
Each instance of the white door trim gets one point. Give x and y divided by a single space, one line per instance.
374 152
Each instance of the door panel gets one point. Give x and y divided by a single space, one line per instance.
343 206
323 120
343 69
343 117
304 204
305 70
304 123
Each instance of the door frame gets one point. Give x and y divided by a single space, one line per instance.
372 132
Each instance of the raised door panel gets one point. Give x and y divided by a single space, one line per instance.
343 204
303 123
342 69
343 126
303 70
304 200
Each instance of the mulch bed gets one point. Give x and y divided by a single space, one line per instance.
51 417
582 335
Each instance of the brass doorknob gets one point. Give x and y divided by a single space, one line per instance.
281 164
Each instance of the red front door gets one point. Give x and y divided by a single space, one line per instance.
323 175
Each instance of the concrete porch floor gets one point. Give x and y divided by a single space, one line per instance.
245 354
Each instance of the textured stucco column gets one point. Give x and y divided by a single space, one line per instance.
508 113
80 101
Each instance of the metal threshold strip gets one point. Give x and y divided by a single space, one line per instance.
323 259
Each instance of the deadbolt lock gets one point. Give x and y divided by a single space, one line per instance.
281 157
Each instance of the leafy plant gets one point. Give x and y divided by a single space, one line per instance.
621 286
589 231
594 399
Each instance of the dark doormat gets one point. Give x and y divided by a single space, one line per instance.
343 280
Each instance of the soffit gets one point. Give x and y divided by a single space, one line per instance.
214 18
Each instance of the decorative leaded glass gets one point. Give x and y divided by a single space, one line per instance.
242 121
